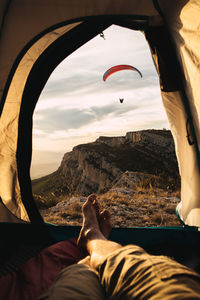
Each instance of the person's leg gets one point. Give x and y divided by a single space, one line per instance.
79 281
129 272
91 237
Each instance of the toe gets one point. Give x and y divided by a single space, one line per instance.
105 214
91 198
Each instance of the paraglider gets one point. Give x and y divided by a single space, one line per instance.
119 68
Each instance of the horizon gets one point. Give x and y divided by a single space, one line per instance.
76 106
52 167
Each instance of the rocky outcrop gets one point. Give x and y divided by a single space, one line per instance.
128 202
112 141
94 167
87 170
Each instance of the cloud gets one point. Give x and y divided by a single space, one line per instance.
57 119
82 72
77 106
82 83
54 119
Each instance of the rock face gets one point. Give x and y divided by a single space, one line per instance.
94 167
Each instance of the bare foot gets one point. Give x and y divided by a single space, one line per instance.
90 229
105 222
96 204
103 218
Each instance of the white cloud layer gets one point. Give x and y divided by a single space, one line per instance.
77 106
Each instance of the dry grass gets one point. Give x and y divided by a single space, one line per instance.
145 207
44 202
74 210
159 219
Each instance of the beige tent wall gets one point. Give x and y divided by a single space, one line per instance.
189 207
9 124
184 23
24 22
2 9
26 19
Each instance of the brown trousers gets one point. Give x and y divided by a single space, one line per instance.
127 273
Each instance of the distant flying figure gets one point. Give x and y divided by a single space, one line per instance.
121 100
102 35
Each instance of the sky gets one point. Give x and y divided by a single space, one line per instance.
76 106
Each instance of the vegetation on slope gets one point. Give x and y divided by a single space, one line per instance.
143 183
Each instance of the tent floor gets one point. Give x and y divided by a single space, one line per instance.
19 242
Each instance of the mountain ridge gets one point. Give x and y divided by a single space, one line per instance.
94 167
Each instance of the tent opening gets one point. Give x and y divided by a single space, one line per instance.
86 139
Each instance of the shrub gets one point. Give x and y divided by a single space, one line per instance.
170 210
158 219
44 202
160 181
73 211
76 206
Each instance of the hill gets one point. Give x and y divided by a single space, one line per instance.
97 166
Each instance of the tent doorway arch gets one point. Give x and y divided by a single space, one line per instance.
23 77
36 72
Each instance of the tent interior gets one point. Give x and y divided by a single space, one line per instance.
27 62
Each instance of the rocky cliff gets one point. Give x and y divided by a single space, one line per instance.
93 167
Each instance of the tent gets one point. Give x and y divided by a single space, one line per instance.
35 36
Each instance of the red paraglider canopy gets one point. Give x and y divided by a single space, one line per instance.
119 68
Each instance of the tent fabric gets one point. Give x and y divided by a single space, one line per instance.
18 57
39 272
25 46
50 14
35 36
10 118
183 22
177 112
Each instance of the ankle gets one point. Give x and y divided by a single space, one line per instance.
93 234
